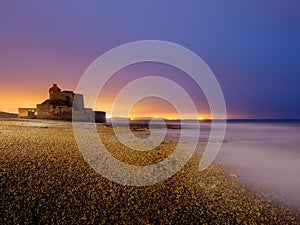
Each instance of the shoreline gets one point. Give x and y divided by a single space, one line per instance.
266 157
46 179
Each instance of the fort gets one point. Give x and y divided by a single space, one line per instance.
63 105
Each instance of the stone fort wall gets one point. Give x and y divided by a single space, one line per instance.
62 105
26 112
48 111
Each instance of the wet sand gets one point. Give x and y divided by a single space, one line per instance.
44 179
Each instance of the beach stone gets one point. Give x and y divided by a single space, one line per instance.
45 180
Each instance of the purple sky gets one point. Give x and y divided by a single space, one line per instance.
253 47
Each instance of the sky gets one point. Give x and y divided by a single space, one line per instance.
252 47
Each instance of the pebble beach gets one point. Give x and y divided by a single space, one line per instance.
44 179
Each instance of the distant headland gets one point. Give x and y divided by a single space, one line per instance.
8 115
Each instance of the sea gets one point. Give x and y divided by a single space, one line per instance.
263 153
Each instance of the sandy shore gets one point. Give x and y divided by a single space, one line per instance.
45 180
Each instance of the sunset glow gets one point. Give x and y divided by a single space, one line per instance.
38 49
149 112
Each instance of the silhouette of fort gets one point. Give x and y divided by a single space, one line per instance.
63 105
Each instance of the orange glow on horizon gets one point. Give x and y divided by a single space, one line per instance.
16 101
19 96
151 107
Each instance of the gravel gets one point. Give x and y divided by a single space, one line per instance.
45 180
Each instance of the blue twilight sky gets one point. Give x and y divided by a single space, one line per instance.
253 47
